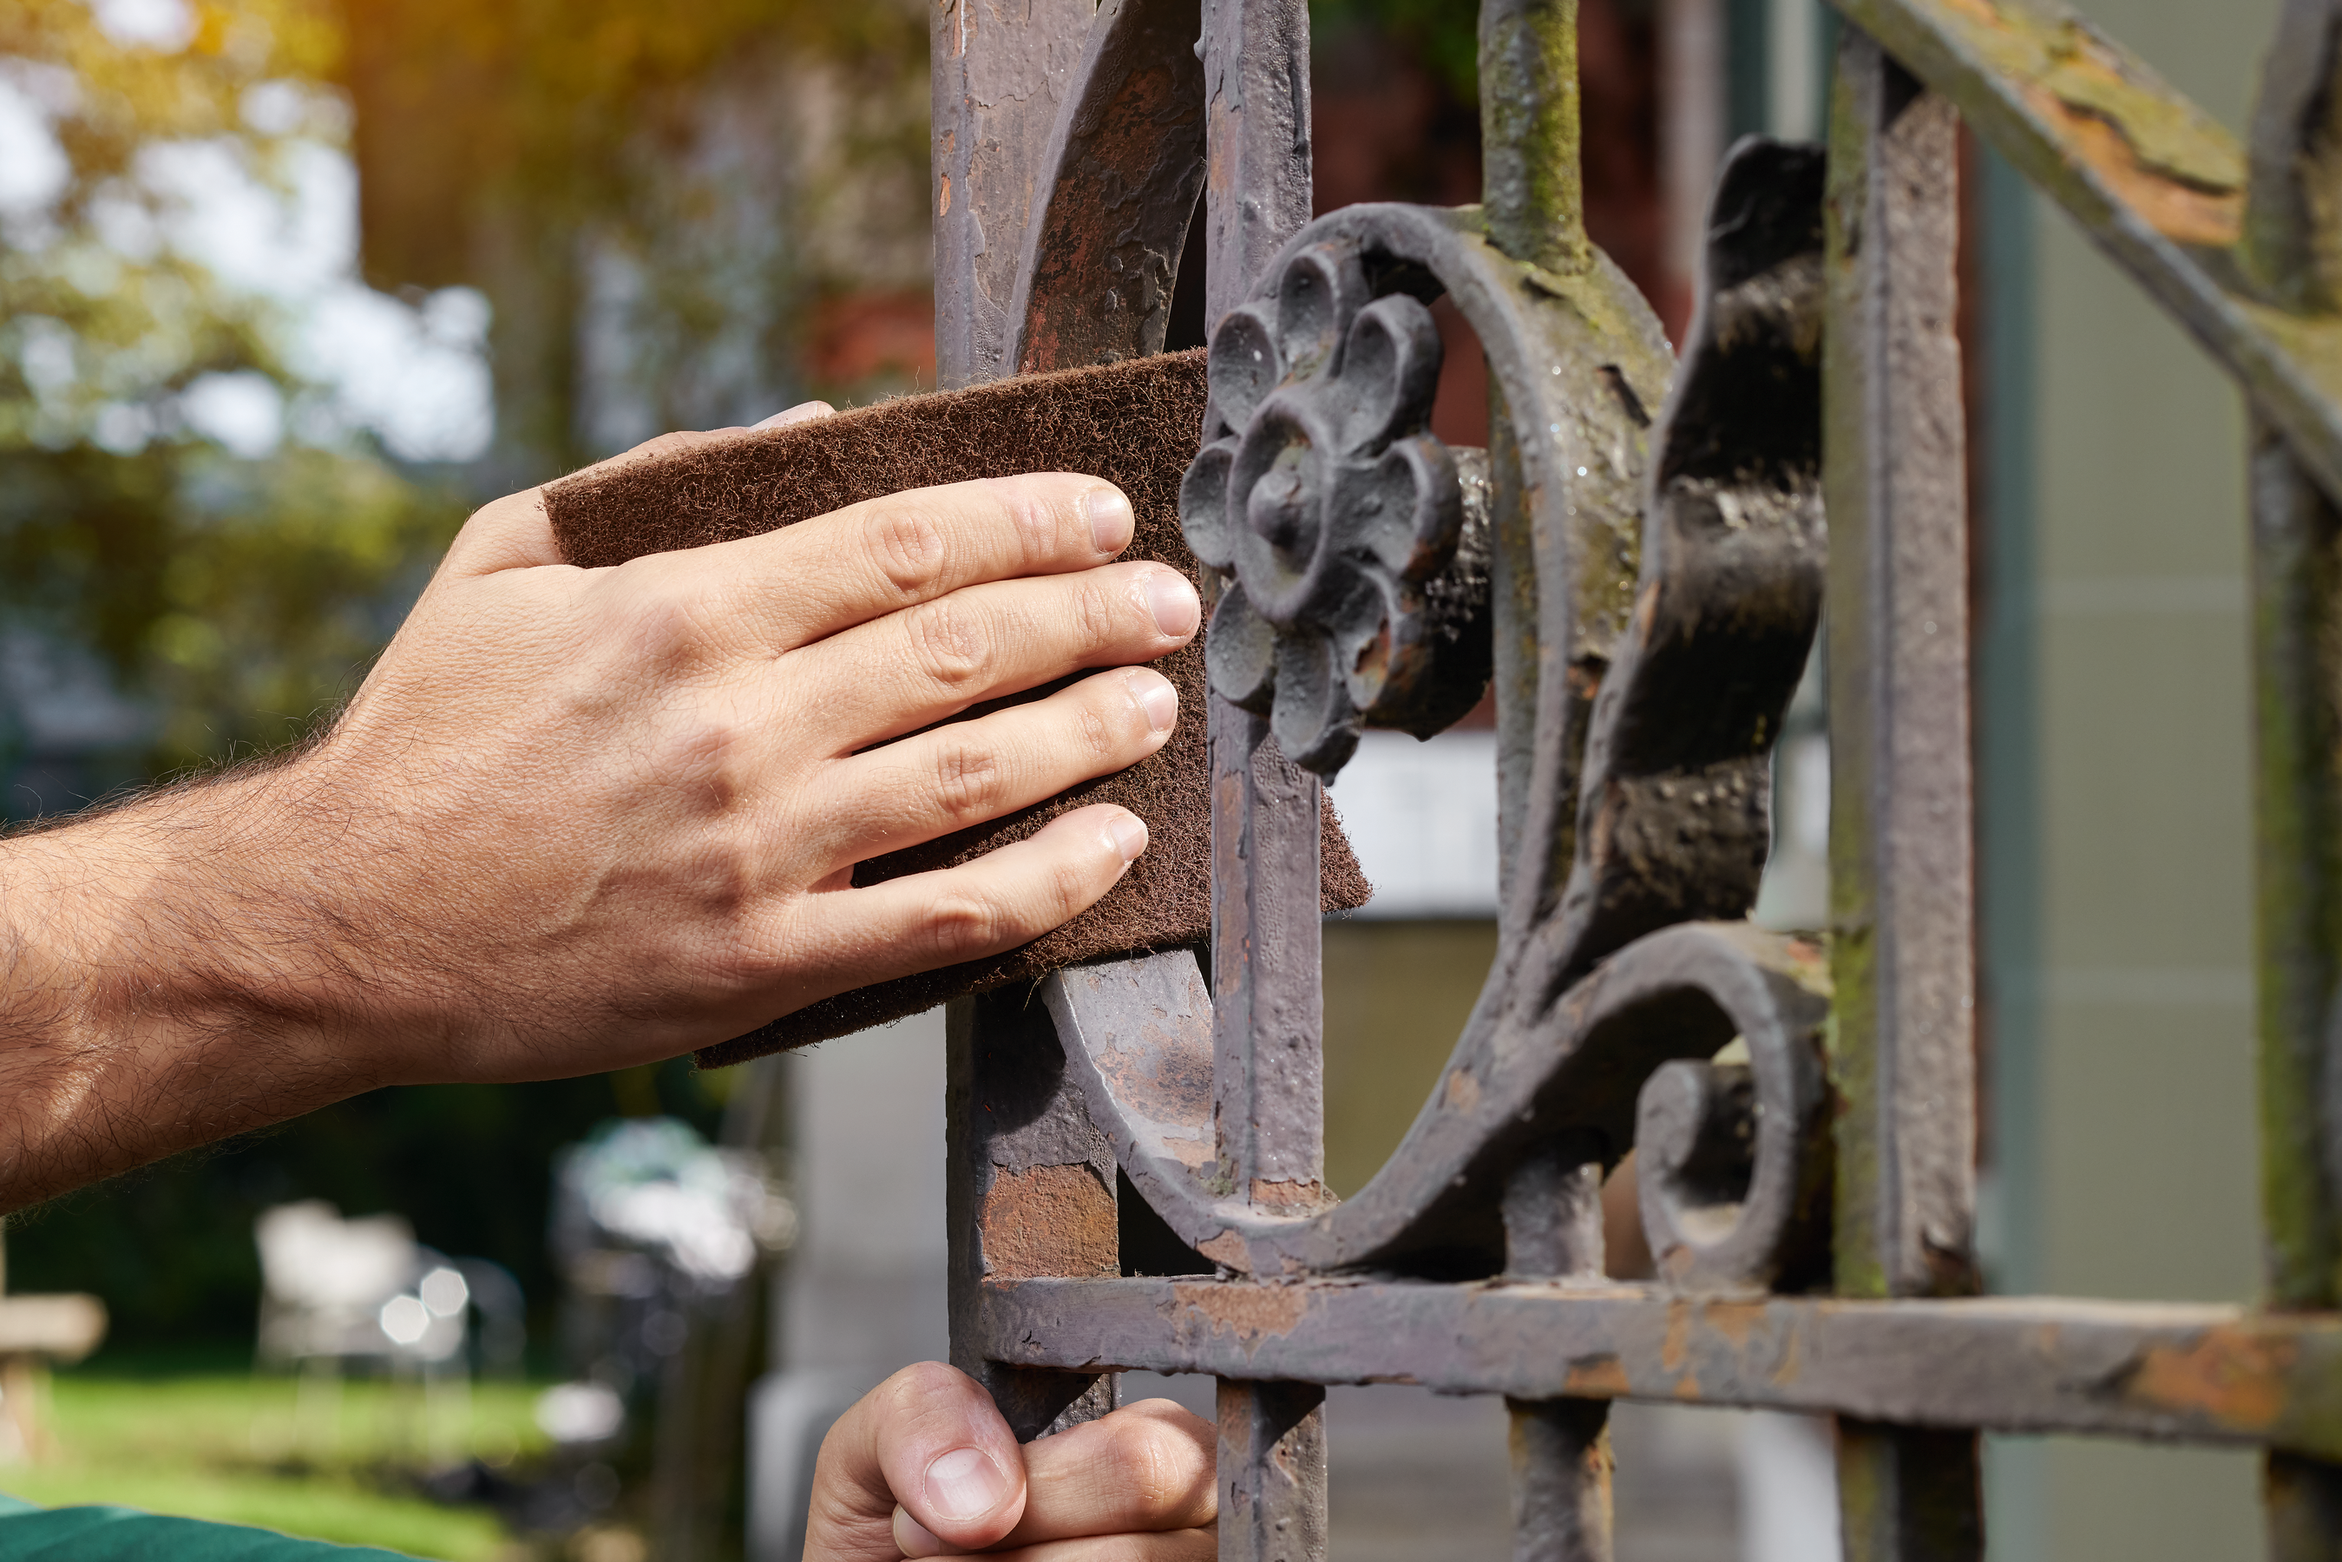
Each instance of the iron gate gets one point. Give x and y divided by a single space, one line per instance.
1638 558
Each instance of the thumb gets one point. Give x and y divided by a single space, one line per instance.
922 1465
514 532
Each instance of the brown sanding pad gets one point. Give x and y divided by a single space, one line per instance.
1133 424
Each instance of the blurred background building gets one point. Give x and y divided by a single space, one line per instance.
285 285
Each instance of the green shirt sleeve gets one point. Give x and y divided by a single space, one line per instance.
104 1534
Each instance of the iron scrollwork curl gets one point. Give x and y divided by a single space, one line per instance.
1354 541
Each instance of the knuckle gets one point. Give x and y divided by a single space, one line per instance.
1101 614
963 922
919 1386
949 642
1033 515
1153 1468
969 782
907 545
1097 735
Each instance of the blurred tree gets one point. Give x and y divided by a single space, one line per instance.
152 516
664 203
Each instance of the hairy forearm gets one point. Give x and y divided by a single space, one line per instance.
167 979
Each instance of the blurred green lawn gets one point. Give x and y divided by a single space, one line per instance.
308 1458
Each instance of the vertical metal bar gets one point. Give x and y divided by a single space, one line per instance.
1533 192
1901 868
1268 1082
997 72
1272 1471
1029 1192
1030 1184
2293 245
1533 195
1561 1462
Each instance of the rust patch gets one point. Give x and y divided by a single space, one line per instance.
1048 1221
1227 1250
2180 212
1250 1312
1463 1091
1287 1197
1676 1348
2234 1378
1736 1321
1190 1153
1596 1377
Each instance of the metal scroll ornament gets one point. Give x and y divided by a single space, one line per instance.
1351 540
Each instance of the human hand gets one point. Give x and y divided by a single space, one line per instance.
924 1466
581 819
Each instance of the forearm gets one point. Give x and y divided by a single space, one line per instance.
163 983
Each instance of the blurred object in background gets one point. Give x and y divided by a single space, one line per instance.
863 1294
339 1293
36 1333
662 1237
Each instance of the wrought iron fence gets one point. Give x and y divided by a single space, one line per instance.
1639 560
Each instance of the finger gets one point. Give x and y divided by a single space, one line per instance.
910 669
803 412
797 584
1146 1467
930 1439
1145 1470
1182 1545
966 772
922 921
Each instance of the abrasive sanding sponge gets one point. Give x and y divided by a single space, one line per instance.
1134 424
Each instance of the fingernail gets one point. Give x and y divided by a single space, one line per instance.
1130 836
1110 522
964 1484
1156 697
1173 602
912 1538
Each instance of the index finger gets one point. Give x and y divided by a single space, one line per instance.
877 557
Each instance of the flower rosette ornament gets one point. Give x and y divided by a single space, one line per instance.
1354 570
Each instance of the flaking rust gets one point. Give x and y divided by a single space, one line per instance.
1251 1313
1034 1216
2227 1376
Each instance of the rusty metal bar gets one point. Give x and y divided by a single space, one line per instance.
998 73
1117 189
1909 1495
2290 236
2165 1371
1029 1190
1268 1080
1532 179
1533 194
1030 1185
1561 1460
1272 1471
1901 872
2155 181
1902 909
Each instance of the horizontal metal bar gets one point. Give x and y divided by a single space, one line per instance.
2189 1373
2154 180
